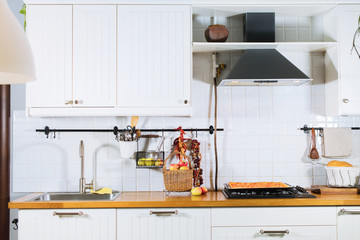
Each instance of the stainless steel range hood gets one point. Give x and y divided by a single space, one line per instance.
264 67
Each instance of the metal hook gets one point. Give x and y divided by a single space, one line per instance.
196 133
54 133
192 135
15 221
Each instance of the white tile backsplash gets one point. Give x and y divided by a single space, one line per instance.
261 141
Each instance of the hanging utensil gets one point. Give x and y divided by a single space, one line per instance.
138 133
314 154
134 121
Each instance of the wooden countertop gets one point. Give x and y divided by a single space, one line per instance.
160 200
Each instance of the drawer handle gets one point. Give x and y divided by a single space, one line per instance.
67 102
164 213
68 214
344 211
274 232
345 100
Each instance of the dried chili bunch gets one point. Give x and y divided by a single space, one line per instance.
180 145
196 158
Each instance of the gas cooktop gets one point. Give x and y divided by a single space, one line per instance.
253 193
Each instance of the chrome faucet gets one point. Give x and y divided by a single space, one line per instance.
83 186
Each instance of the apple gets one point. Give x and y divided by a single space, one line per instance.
159 162
184 168
149 162
204 190
196 191
182 163
141 162
174 167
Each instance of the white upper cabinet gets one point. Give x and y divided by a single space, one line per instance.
110 60
154 64
349 60
49 30
94 56
342 93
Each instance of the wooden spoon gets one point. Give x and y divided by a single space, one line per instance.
314 154
134 121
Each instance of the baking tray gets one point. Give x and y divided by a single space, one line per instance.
227 187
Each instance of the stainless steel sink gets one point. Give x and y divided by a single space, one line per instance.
73 196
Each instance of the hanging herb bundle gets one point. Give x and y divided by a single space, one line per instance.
196 158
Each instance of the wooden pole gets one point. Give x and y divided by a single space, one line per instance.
4 160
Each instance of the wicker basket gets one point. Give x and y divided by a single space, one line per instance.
178 180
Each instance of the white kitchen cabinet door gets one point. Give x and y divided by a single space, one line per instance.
94 56
349 60
186 224
348 223
294 233
154 57
49 30
95 224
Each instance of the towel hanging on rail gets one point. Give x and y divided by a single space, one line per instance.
337 142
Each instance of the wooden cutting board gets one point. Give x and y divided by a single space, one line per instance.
323 189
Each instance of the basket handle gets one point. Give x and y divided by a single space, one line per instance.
174 153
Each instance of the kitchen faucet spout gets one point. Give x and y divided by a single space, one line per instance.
83 186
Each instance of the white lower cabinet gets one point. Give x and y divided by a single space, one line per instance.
295 223
67 224
348 220
280 232
164 223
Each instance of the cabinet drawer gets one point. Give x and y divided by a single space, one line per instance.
280 232
348 218
67 224
274 216
164 223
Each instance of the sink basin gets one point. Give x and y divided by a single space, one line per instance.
73 196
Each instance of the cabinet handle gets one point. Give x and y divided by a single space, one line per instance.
344 211
68 213
185 101
274 232
345 100
79 101
67 102
164 213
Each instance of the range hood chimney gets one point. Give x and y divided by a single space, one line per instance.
262 67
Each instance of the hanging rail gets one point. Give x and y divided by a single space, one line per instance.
307 129
115 130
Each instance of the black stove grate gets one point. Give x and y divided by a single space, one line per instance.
253 193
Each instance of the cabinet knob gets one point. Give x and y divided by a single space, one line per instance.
78 102
185 101
345 100
67 102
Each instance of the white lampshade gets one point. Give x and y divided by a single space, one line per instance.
16 59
